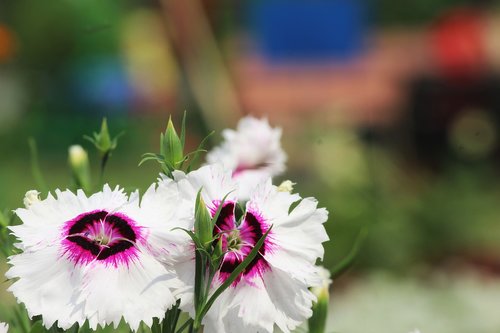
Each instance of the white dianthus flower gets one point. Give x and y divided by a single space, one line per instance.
252 152
96 258
274 288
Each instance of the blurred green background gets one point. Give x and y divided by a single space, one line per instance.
390 113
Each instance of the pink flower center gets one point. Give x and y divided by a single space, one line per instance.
100 236
239 240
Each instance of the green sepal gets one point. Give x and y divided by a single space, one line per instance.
317 322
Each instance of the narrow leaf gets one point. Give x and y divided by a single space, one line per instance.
185 325
199 149
183 130
35 166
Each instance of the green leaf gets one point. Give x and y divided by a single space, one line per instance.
234 275
183 130
38 328
198 150
155 327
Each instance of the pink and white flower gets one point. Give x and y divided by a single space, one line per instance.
96 258
274 288
4 328
252 152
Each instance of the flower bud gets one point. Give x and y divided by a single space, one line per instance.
286 186
79 163
103 142
171 146
203 227
317 323
77 156
31 197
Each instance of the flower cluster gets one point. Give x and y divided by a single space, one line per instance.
220 242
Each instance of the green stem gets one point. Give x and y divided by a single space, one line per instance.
189 323
35 166
348 260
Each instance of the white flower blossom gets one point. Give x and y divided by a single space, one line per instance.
274 288
252 152
96 258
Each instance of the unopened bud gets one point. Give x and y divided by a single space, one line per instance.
77 156
203 227
79 163
317 323
286 186
31 197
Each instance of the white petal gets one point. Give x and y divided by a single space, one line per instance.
4 327
138 292
214 180
46 285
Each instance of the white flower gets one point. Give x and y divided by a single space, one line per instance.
273 289
253 152
95 257
31 197
4 327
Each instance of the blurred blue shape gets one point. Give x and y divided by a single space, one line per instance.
101 85
305 30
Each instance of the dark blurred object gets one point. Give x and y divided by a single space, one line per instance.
458 43
309 30
455 119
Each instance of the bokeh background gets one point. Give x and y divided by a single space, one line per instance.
390 113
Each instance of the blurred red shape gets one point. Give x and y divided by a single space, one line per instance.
457 42
6 44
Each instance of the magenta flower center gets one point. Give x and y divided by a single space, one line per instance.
239 240
101 236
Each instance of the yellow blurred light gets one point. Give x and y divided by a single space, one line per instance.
473 134
148 56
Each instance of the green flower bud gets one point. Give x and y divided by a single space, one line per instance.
102 140
171 146
203 227
317 323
